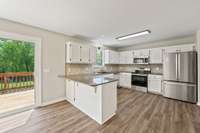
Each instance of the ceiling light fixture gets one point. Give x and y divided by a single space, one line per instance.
145 32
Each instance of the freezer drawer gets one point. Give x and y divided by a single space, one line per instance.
180 91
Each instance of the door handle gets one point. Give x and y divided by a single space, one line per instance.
179 66
176 66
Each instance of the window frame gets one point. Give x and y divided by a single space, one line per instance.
102 65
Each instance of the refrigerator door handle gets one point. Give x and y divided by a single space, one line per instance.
179 66
176 66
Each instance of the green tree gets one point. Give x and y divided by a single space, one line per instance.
16 56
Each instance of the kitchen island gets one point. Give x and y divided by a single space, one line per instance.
94 95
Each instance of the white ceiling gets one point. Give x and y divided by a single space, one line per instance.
104 20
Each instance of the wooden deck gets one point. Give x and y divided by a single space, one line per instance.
137 113
17 100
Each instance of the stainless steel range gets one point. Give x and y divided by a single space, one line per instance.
140 79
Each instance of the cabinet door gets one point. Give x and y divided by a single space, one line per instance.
92 55
187 48
106 56
116 57
70 91
155 84
121 58
172 49
85 54
129 57
121 80
137 53
156 56
73 53
144 52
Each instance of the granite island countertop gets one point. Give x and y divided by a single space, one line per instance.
91 80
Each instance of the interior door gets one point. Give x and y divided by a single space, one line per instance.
187 67
170 66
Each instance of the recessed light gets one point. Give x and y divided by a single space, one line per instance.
145 32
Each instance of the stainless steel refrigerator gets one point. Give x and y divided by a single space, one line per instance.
180 75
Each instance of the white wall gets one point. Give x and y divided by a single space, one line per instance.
53 57
169 42
198 48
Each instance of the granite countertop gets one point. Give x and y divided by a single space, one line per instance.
92 80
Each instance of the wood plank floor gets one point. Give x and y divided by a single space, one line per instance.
137 113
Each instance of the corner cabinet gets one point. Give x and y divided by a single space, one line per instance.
80 54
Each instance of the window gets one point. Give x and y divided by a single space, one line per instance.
99 57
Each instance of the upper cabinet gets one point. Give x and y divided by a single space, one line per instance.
111 57
85 54
93 51
73 53
126 57
155 56
180 48
141 53
79 53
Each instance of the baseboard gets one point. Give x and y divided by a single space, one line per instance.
53 101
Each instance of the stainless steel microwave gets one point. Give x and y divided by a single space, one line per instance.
141 60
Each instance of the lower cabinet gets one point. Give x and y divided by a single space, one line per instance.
155 83
70 90
125 80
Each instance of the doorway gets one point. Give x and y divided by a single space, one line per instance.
20 73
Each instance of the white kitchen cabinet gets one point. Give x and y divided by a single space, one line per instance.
73 53
126 57
85 54
116 76
111 57
156 56
93 51
125 80
180 48
141 53
70 90
155 83
80 54
98 102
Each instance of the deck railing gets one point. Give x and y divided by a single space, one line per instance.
16 80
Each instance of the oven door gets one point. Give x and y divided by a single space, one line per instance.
139 80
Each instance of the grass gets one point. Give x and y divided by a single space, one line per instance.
18 85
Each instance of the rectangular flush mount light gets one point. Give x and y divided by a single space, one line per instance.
145 32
